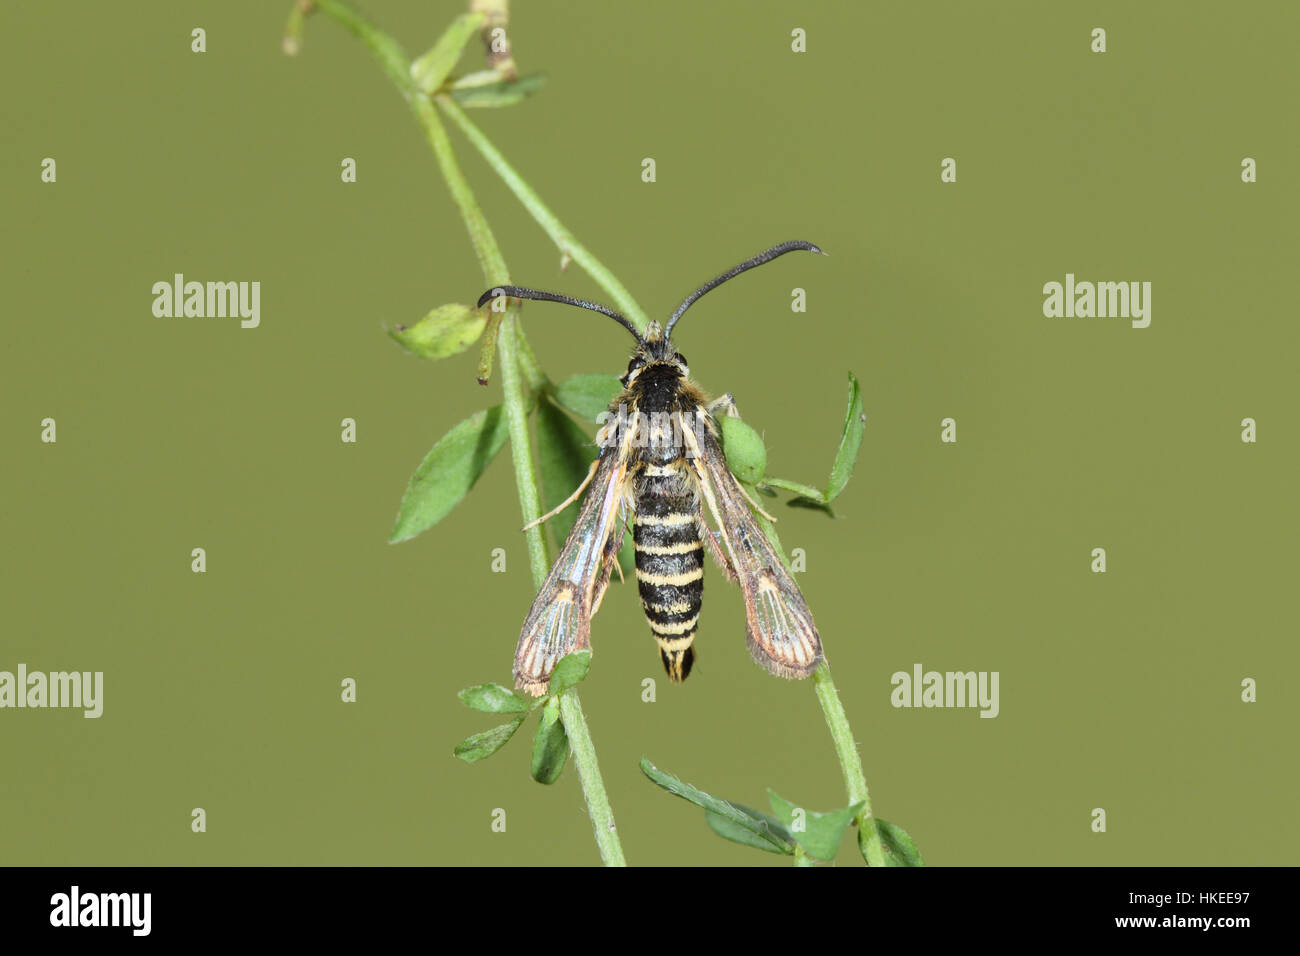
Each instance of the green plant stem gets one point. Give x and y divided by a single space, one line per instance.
391 57
521 449
293 29
398 68
517 363
799 488
855 780
533 373
584 758
569 246
575 723
480 233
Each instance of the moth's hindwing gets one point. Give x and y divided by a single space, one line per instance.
560 619
781 634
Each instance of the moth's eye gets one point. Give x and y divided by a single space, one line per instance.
681 358
635 364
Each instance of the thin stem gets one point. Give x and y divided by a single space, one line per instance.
569 246
846 749
391 57
539 559
855 781
584 758
533 373
575 724
480 233
488 352
395 63
804 491
293 28
521 449
517 363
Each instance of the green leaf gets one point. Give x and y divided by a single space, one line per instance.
812 505
746 456
432 69
448 472
492 699
757 826
550 745
569 672
734 832
478 78
564 456
447 330
502 93
588 395
479 746
899 848
855 423
819 834
807 496
808 493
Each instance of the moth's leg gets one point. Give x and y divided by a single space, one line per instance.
754 503
725 404
609 559
603 582
591 473
616 541
715 549
707 497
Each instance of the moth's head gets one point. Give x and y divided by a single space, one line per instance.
655 350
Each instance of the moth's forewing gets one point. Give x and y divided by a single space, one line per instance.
781 634
560 619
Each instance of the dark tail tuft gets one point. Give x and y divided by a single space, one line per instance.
678 663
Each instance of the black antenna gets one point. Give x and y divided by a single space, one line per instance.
748 264
521 293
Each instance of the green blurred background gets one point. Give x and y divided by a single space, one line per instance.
1119 691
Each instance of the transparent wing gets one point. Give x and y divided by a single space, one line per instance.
781 636
560 619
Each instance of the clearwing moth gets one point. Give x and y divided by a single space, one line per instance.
661 467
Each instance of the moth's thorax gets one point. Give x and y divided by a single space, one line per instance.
659 403
657 387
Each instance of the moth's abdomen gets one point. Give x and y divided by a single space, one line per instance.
669 561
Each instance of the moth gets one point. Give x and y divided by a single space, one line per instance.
661 469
